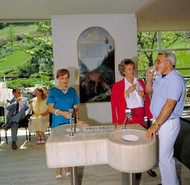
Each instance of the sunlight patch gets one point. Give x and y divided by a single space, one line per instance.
23 145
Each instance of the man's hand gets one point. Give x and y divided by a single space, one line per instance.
150 73
18 99
152 131
148 86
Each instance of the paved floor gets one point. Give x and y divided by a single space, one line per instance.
27 166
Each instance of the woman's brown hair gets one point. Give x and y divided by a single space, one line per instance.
62 72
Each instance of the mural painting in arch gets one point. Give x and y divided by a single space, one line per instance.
96 59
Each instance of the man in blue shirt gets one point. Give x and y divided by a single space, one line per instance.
166 107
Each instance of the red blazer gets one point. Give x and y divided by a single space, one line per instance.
118 103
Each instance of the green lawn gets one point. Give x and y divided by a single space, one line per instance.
14 59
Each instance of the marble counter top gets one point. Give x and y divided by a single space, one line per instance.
105 147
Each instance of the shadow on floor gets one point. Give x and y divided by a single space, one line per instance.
182 145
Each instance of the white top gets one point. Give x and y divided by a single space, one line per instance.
134 100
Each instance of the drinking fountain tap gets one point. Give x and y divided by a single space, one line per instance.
128 115
71 112
74 173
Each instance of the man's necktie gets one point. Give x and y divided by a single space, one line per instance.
17 108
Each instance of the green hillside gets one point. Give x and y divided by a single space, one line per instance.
9 57
14 59
18 30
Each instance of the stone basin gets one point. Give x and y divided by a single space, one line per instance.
129 151
126 150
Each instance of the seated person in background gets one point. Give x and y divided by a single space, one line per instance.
129 93
18 108
39 121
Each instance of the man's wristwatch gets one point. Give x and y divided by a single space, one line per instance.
156 123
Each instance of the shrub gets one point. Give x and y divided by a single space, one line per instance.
35 75
5 72
23 82
19 37
31 82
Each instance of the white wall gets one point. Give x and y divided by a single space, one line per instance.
66 30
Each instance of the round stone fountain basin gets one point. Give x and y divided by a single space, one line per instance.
130 137
129 151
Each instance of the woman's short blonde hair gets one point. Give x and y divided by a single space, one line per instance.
44 94
123 64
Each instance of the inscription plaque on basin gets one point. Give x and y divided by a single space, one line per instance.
99 129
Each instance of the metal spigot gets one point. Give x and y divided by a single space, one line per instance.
71 112
128 115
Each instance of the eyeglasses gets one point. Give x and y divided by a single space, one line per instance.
159 61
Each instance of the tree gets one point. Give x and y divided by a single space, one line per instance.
45 28
148 40
27 69
42 48
107 43
83 67
11 36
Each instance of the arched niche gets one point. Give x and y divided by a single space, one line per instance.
96 60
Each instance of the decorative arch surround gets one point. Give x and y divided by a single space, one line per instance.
96 60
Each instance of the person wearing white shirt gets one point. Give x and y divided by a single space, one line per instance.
166 106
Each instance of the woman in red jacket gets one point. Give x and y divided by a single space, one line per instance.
129 93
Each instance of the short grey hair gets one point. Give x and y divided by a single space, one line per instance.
169 56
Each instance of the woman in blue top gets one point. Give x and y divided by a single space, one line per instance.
60 99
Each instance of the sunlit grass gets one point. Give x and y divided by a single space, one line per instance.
14 59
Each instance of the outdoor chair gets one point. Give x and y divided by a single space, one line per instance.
22 124
3 122
48 131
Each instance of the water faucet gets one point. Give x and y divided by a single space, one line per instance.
128 115
71 112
